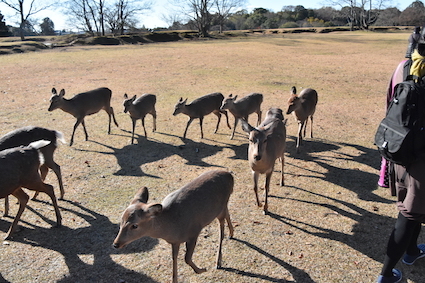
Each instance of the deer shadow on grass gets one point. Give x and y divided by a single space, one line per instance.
298 274
131 158
87 250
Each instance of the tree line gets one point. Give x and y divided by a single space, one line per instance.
100 17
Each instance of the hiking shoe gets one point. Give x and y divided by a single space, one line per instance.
394 279
410 259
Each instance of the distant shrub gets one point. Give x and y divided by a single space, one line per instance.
289 25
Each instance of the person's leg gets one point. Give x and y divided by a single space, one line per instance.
400 238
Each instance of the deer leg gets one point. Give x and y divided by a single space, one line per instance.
79 121
38 185
266 191
187 126
190 248
282 178
227 118
218 114
23 200
43 172
109 121
85 130
234 128
6 206
259 117
255 177
57 170
221 221
311 126
229 223
154 121
201 120
175 252
300 138
113 115
144 129
133 121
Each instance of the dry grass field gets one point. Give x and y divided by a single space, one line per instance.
329 223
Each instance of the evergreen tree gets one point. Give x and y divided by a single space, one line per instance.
4 30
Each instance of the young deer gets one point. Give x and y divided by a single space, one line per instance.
138 108
243 107
83 104
19 168
303 106
200 107
267 142
26 135
181 216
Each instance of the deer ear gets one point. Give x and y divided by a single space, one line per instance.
133 98
230 95
185 101
125 96
142 195
54 91
294 90
62 93
154 209
245 126
236 96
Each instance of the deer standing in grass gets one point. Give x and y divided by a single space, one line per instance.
19 168
200 107
303 106
243 107
267 142
26 135
83 104
181 216
138 108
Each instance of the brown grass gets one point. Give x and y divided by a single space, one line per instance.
330 222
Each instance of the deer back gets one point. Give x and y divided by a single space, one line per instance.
181 215
244 106
139 107
19 167
82 104
201 106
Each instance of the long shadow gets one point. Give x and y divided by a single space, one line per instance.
130 158
298 274
93 241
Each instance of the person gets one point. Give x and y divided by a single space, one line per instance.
409 185
413 41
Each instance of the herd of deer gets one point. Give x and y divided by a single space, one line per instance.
27 153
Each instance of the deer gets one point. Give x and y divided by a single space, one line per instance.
138 108
19 168
200 107
24 136
83 104
267 142
302 106
243 107
181 216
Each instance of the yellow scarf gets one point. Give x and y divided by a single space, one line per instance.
418 65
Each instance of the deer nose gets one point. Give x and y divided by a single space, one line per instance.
257 157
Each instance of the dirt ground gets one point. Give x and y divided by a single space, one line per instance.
329 223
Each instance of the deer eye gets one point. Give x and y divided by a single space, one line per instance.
134 226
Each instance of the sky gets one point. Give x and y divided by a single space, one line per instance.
155 17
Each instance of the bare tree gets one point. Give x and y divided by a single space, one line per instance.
197 12
122 14
25 11
225 8
361 13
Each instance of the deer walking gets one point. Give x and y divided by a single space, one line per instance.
181 216
200 107
303 106
138 108
83 104
19 168
243 107
267 142
26 135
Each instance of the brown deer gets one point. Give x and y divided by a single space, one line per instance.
303 106
83 104
181 216
19 168
26 135
138 108
200 107
243 107
267 142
